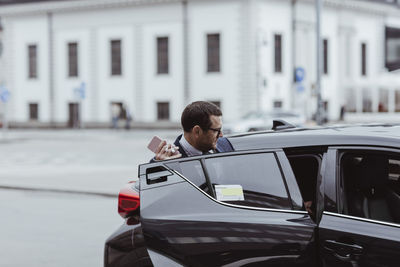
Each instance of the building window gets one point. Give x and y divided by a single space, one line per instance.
363 59
116 67
392 48
351 100
162 55
32 61
213 53
118 110
383 100
163 110
278 104
278 52
325 56
366 100
72 60
33 111
397 101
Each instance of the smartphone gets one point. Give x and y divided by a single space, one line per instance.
154 143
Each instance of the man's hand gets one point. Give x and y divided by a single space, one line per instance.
167 151
307 206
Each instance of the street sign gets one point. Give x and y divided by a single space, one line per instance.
300 88
80 92
300 73
4 94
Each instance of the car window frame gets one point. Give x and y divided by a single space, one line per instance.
337 152
318 157
282 163
274 154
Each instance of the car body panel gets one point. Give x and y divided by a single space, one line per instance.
382 135
351 241
202 231
180 224
126 246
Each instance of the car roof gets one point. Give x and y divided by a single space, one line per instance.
387 135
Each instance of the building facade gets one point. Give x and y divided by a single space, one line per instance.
73 62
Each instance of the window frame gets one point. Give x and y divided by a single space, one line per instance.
364 59
32 61
325 56
282 163
160 56
337 152
278 57
158 105
209 53
33 109
116 59
73 60
391 33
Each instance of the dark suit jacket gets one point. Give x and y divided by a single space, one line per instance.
223 145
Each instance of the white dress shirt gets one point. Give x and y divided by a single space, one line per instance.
189 149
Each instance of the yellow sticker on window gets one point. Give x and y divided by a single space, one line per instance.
229 192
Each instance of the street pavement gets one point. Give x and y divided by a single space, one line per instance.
86 161
47 229
58 192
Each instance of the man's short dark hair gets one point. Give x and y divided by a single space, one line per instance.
198 113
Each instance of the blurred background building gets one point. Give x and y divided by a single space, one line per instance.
81 61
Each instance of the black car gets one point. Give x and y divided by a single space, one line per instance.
246 208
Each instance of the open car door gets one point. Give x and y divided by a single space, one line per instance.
226 209
360 224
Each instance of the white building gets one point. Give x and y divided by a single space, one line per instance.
65 60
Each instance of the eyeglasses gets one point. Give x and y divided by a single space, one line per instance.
216 130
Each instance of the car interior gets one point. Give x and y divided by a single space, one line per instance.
371 186
306 168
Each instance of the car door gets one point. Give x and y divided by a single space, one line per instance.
360 227
226 209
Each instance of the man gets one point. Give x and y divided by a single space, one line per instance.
202 133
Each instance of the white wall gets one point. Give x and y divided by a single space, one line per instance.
140 87
163 87
30 30
275 18
65 85
209 17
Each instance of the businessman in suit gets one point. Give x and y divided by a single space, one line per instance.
202 133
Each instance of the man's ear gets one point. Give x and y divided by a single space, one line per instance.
197 130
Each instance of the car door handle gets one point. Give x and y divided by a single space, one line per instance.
158 176
343 251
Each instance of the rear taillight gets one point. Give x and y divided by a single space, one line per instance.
128 200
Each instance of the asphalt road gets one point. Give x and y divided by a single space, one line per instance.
54 229
82 160
42 226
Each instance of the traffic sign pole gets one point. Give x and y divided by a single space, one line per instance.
5 121
319 111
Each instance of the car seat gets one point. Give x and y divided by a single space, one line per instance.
372 190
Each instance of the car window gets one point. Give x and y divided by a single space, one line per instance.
306 169
371 185
257 175
193 171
